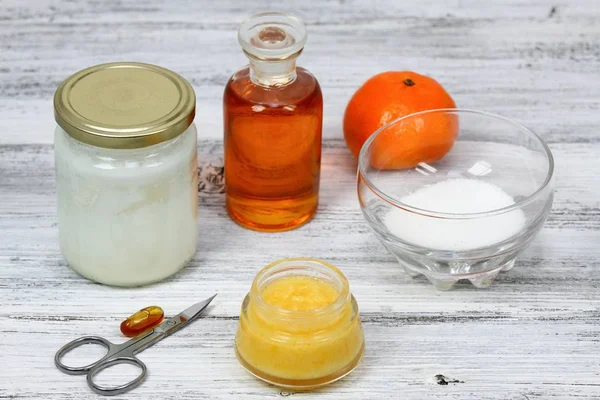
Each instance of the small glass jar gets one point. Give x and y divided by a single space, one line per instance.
126 173
299 326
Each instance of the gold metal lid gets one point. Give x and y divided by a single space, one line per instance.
124 105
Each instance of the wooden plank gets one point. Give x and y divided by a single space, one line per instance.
518 60
533 335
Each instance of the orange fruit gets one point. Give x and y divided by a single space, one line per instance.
389 96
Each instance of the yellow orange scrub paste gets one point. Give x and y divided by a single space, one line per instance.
299 325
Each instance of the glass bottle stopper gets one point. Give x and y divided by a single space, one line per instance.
272 36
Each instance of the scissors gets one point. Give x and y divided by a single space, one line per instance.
124 353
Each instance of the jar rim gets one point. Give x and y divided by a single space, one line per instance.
322 267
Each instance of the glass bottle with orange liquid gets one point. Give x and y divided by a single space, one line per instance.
272 117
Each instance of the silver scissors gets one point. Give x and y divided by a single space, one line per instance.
124 353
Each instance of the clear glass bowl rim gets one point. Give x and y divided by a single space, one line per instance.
363 163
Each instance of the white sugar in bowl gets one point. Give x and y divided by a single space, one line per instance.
455 195
126 173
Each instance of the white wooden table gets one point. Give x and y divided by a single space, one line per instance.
535 334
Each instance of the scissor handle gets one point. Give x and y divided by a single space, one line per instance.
77 343
114 390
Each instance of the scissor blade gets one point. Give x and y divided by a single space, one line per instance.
194 311
175 323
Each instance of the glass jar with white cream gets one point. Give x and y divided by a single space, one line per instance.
126 173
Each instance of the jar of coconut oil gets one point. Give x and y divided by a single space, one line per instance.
126 173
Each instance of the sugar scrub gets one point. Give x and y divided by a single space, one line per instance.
456 196
299 326
299 293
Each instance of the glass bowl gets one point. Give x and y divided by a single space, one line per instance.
455 194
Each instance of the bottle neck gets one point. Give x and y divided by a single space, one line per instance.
272 73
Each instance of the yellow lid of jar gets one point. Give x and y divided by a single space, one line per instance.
124 105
